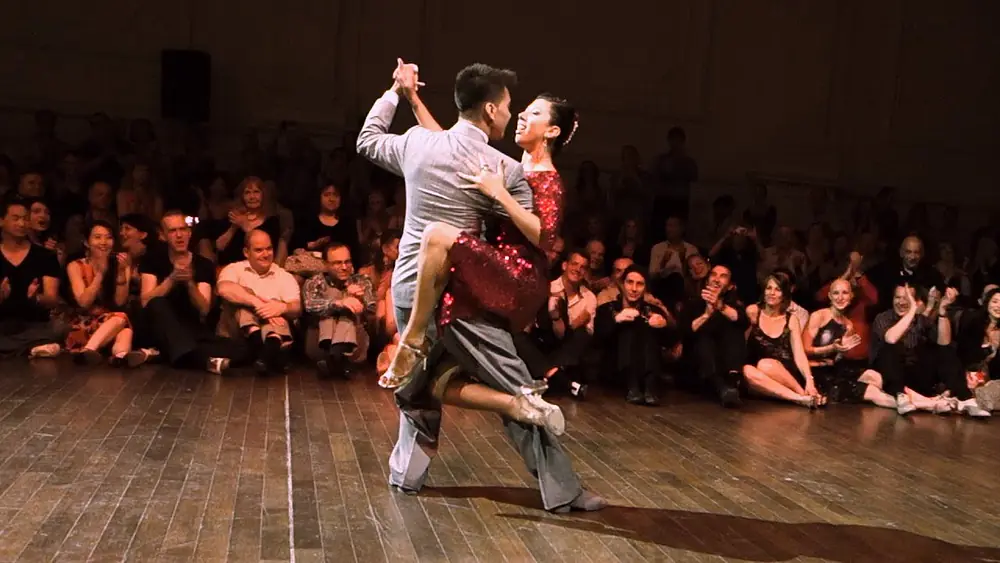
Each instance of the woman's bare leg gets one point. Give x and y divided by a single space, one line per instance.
105 333
761 383
122 344
432 275
527 407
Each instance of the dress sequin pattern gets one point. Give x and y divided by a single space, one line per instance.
507 276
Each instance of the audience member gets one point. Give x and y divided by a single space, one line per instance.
29 289
99 284
340 302
632 327
265 302
177 295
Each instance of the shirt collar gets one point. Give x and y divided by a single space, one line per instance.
270 271
467 129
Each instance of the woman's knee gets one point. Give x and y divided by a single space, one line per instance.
115 323
768 366
439 235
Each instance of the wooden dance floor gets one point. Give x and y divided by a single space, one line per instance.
160 465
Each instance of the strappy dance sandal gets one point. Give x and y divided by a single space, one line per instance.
401 368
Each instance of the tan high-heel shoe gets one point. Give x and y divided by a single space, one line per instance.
529 407
402 365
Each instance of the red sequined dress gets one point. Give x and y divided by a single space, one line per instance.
506 277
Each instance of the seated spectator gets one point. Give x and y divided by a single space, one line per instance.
340 301
739 249
100 200
978 340
631 242
634 330
571 310
778 366
29 289
668 259
952 274
910 269
696 272
316 231
254 211
838 355
597 277
99 284
909 346
801 313
379 270
374 222
266 301
40 230
139 192
715 321
555 257
31 184
783 255
177 296
214 215
864 297
614 291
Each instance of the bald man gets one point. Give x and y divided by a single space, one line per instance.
911 269
263 300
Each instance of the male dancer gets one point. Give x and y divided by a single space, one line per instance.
430 163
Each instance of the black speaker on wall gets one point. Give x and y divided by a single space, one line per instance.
185 85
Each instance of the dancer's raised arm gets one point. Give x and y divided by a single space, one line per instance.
420 111
374 140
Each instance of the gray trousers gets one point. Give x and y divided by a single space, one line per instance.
488 352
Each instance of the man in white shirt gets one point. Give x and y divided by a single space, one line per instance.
670 256
266 298
572 309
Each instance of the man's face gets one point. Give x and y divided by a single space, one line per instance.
15 223
619 267
574 268
900 301
498 116
339 263
176 233
719 278
259 252
595 250
911 252
32 185
634 287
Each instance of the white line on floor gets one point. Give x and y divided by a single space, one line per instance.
288 471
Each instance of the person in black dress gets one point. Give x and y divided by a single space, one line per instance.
778 366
